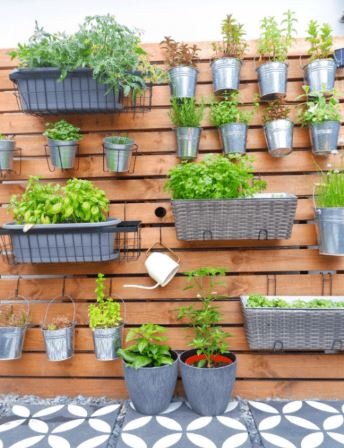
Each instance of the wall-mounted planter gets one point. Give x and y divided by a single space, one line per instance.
118 155
320 74
233 137
59 344
106 342
183 81
187 142
324 137
279 137
7 150
226 74
62 153
272 79
330 230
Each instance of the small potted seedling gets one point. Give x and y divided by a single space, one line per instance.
180 58
186 115
118 151
63 140
208 370
106 323
7 147
278 128
150 368
228 56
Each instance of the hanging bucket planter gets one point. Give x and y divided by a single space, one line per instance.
233 137
117 154
183 81
59 343
7 148
188 142
320 74
106 342
279 137
272 79
339 57
330 230
324 137
226 74
62 153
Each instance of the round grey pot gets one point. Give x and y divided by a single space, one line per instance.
151 388
320 74
6 154
11 342
117 155
272 79
324 137
208 391
233 137
330 230
62 153
183 81
188 142
106 342
279 137
226 74
59 343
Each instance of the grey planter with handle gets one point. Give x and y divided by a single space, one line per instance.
233 137
272 79
324 137
320 74
7 148
226 74
62 153
279 137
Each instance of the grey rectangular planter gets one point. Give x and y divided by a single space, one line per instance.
276 329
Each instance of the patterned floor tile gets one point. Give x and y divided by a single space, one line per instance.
299 424
179 427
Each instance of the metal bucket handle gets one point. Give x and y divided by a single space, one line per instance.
161 244
313 194
63 296
114 296
14 298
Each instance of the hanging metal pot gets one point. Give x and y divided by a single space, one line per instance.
226 74
188 142
279 137
324 137
118 155
183 81
7 148
62 153
320 74
106 342
233 137
330 230
272 79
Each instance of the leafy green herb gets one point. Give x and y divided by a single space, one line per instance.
321 106
258 301
119 140
233 44
228 111
320 39
275 110
186 113
215 177
62 130
330 190
179 53
147 349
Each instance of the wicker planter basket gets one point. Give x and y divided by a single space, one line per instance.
264 216
280 329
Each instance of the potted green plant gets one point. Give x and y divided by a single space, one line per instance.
232 123
150 369
118 151
228 56
321 113
273 45
7 148
106 323
282 323
186 115
320 72
63 140
218 198
208 370
180 58
278 128
57 224
88 71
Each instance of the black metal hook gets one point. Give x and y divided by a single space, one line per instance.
63 286
110 288
17 286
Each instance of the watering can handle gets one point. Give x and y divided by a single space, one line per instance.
174 255
14 299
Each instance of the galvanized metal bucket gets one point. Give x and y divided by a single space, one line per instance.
272 79
330 230
7 148
188 142
233 137
320 74
59 343
324 137
118 156
62 153
279 137
106 342
226 74
183 81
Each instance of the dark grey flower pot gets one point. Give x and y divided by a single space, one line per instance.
151 388
62 153
320 74
324 137
183 81
207 390
7 148
226 74
279 137
234 137
272 79
339 57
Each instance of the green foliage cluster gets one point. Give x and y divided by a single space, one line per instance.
233 44
330 191
215 177
228 111
106 313
185 112
111 50
275 110
275 40
119 140
62 130
209 338
320 39
179 53
147 349
258 301
46 203
320 107
10 317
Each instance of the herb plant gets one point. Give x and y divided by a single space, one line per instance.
276 39
233 44
209 338
147 349
10 317
275 110
106 313
62 130
4 137
47 203
59 322
330 190
119 140
186 113
320 39
215 177
179 53
321 106
258 301
228 111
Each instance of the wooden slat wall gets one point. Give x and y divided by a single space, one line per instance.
291 266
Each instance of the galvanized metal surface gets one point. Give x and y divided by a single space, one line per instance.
279 137
226 74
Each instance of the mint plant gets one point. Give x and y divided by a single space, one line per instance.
233 44
275 110
259 301
228 111
62 130
179 53
106 313
320 107
147 349
186 113
320 39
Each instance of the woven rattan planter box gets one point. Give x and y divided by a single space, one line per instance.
275 329
264 216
